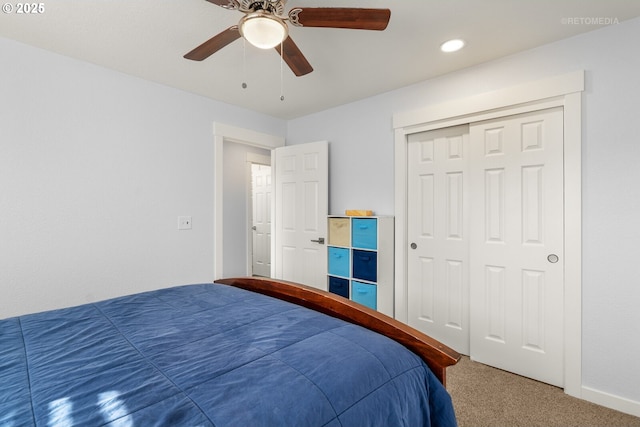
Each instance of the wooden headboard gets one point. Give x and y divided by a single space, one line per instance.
435 354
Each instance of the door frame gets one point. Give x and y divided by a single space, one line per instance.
560 91
226 133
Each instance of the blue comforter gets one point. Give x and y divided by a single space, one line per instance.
203 355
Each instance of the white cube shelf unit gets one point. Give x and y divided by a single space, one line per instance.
360 260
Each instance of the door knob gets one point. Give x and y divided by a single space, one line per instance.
320 240
553 258
413 246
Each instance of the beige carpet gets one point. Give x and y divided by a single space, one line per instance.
485 396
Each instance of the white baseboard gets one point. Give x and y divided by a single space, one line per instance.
611 401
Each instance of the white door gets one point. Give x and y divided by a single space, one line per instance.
261 219
438 264
516 189
485 228
301 207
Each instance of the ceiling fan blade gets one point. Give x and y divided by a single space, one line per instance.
294 58
340 17
214 44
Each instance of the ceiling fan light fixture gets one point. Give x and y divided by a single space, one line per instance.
263 30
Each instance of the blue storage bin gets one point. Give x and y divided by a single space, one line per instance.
365 294
339 261
365 265
339 286
364 233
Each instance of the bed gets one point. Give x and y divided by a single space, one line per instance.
237 352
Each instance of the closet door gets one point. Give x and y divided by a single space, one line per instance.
516 244
437 230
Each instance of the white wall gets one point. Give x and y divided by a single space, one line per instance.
360 139
95 167
611 177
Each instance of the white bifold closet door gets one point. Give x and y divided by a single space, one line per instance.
486 276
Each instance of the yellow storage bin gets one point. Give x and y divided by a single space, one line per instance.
339 231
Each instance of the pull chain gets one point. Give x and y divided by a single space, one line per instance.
281 72
244 63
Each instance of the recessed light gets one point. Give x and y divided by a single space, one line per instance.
452 45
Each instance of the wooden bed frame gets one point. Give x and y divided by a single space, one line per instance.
435 354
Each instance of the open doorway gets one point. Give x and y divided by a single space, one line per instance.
230 253
231 230
238 206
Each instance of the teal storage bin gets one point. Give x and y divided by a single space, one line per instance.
365 294
339 261
364 233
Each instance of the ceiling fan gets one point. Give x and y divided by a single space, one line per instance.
264 25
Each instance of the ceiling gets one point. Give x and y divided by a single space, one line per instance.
148 38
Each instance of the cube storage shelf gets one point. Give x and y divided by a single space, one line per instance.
360 260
